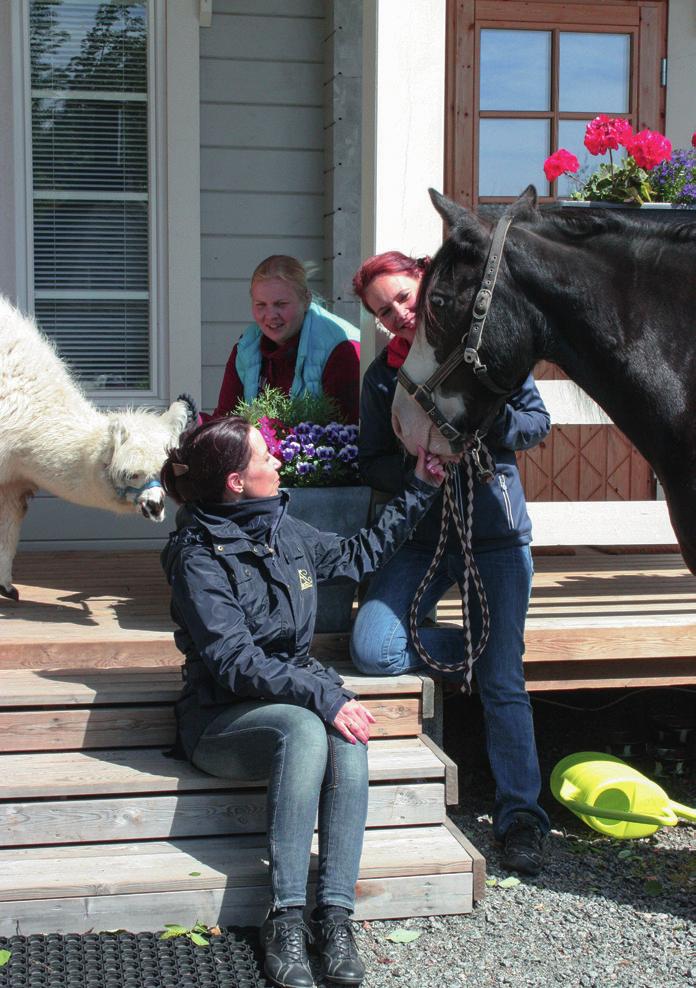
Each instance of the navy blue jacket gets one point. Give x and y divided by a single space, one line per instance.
243 581
500 512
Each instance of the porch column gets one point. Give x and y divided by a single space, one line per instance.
403 132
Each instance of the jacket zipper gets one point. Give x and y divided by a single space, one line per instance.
506 498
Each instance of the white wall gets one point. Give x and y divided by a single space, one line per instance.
262 157
403 135
681 72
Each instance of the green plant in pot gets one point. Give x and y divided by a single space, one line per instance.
305 433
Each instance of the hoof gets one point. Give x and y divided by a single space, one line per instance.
10 592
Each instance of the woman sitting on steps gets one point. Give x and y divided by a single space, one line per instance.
255 704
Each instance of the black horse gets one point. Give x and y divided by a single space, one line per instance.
607 295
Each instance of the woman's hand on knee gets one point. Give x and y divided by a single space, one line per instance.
353 722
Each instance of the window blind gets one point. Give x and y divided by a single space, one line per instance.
89 132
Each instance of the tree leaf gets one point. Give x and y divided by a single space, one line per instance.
491 882
194 874
509 883
400 935
4 957
198 939
173 930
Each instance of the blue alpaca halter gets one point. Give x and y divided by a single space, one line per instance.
123 491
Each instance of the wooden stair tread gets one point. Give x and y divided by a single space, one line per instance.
186 815
79 773
116 869
83 687
44 729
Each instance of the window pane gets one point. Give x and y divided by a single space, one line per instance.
90 245
595 72
515 70
105 343
511 155
89 78
89 145
89 45
571 134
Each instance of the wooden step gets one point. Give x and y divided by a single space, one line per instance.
43 730
149 770
404 872
91 687
114 797
192 815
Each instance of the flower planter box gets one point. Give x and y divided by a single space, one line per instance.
332 509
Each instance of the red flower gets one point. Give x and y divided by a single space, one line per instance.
604 133
559 162
648 148
693 139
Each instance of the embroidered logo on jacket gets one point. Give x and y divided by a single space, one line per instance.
305 579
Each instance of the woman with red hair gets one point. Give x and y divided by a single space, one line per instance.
388 285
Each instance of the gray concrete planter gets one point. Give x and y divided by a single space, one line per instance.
332 509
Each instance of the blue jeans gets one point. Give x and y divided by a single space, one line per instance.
310 769
381 645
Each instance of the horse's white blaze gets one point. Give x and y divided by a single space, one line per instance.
410 423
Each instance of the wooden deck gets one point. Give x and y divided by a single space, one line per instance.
596 619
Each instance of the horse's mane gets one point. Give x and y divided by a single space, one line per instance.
583 222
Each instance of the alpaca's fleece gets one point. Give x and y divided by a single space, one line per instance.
51 437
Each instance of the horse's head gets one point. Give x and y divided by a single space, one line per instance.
137 448
468 398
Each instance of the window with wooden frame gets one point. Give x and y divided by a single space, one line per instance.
524 78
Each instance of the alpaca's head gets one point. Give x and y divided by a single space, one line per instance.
137 448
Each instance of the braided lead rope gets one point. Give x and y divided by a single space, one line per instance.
453 509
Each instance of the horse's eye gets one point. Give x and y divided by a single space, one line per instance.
437 301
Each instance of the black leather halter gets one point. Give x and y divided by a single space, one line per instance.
467 350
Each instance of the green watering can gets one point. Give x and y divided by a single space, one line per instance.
612 797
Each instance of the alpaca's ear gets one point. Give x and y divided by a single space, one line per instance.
180 414
117 435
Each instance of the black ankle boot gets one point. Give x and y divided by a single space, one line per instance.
284 940
333 936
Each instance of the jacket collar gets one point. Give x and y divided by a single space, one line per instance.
256 519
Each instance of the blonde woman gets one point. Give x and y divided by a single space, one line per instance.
293 344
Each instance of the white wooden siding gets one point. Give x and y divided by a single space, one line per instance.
262 158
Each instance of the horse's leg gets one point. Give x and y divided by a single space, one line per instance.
14 501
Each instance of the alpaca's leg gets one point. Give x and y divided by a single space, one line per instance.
14 501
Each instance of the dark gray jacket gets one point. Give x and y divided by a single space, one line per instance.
243 579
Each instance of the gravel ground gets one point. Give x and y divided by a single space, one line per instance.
602 913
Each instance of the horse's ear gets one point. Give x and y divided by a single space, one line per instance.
525 206
465 227
450 211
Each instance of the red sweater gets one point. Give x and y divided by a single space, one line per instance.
340 380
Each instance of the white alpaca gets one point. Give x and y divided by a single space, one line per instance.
51 437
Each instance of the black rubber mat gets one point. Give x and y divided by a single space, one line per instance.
132 960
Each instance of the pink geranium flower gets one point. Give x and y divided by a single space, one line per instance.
606 133
648 148
559 162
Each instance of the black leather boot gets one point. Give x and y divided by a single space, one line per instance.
284 941
333 937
